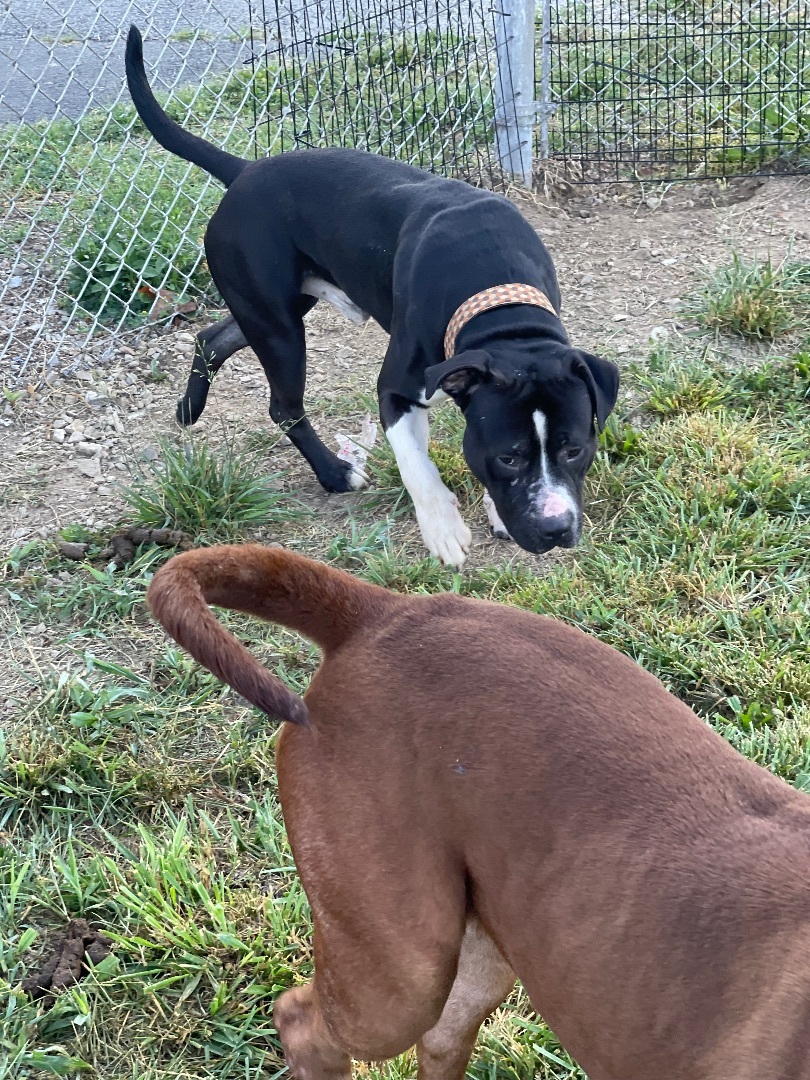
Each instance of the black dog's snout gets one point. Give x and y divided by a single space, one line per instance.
557 531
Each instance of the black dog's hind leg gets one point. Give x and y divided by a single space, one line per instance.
212 348
278 340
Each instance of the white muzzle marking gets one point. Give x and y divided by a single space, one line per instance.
552 500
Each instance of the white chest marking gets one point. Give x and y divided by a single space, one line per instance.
435 399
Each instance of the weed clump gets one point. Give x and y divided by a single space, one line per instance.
216 493
756 299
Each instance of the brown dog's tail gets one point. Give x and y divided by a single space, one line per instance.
324 604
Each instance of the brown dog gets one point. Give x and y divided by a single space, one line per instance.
473 792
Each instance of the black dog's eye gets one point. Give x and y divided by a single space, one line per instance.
571 453
511 461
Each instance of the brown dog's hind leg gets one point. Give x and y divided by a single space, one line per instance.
389 898
382 977
394 1007
483 981
309 1049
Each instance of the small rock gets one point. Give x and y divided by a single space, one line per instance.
77 425
97 401
149 453
104 490
60 422
668 262
658 333
90 467
58 435
586 279
88 449
621 317
15 282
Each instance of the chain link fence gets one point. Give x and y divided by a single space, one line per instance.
96 220
101 229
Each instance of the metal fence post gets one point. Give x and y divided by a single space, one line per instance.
545 107
514 87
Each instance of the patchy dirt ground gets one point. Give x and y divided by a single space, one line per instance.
625 259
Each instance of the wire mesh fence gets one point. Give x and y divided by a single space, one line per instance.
679 88
101 230
412 79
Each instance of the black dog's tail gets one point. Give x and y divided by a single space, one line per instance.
224 166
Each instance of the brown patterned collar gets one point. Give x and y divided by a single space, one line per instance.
499 296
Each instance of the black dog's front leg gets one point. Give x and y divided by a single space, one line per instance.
212 348
406 428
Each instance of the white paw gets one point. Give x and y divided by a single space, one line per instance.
446 536
357 479
498 527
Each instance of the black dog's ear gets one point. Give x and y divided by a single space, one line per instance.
602 380
459 375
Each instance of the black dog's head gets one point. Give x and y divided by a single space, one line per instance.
531 433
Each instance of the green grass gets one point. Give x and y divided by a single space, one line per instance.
212 492
137 791
754 299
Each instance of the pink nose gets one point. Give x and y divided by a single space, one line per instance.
555 506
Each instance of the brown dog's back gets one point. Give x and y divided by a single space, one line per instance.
649 885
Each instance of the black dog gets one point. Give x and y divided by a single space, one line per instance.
416 252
